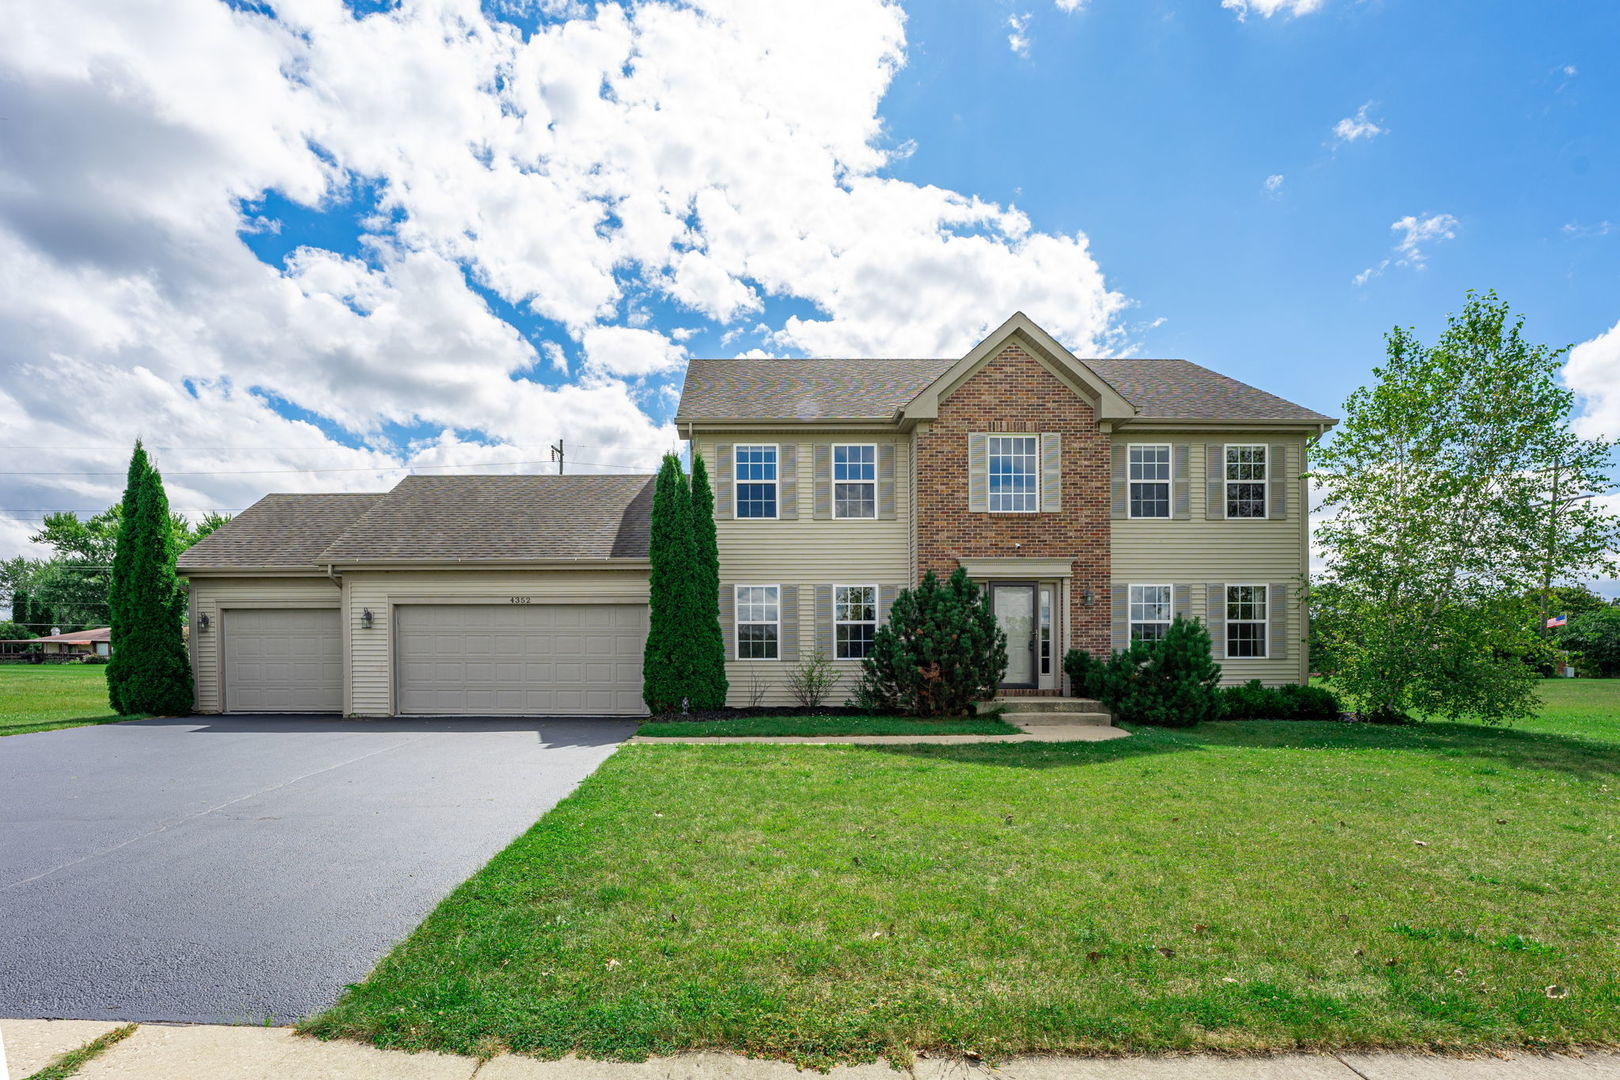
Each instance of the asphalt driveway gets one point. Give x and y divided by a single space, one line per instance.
244 869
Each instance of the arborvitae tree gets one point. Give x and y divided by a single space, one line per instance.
149 672
939 653
669 663
709 679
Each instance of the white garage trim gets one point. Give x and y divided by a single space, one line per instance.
523 659
281 659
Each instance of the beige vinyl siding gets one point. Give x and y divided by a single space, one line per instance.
1199 552
371 673
211 596
807 552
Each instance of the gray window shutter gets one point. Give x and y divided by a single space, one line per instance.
1120 617
1215 619
1180 482
1051 472
824 621
1181 597
885 481
1278 473
821 455
886 595
723 482
787 482
1121 481
1215 475
728 625
978 473
787 597
1277 621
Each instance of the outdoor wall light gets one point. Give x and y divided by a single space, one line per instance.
202 621
1086 598
366 618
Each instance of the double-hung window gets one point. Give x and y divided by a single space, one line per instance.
854 620
854 481
1150 481
756 481
1013 474
759 621
1150 612
1246 621
1246 481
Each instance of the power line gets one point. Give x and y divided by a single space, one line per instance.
346 468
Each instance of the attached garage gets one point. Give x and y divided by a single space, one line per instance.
283 660
519 660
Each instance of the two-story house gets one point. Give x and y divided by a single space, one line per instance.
1094 499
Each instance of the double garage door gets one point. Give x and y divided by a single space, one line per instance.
519 659
448 659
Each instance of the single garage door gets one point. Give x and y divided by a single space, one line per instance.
283 660
520 659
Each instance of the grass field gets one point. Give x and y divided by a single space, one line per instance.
1234 886
826 725
43 697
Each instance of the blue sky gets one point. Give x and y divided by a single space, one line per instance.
306 245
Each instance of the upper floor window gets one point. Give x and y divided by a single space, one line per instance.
1245 481
1150 481
1246 621
1014 474
854 620
854 481
1150 612
759 621
756 481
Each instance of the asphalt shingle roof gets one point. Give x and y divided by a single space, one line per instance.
502 518
853 389
278 531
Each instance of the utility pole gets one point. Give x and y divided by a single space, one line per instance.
557 456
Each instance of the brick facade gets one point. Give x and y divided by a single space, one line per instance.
1015 393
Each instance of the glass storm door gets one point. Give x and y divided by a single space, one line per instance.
1013 603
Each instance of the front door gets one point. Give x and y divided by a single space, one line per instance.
1013 603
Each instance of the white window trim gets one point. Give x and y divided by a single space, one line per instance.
1130 623
874 622
736 484
1264 624
832 465
1264 481
737 624
1169 484
990 496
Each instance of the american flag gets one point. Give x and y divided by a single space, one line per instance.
1557 620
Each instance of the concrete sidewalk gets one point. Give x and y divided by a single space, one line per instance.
203 1052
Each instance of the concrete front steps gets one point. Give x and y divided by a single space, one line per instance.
1037 712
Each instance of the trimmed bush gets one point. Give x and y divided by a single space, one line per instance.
1085 673
1252 701
1170 682
940 652
149 672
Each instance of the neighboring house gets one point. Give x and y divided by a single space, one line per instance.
97 642
1094 499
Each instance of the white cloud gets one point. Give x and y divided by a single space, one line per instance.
1268 8
584 172
1352 128
1593 372
1577 231
1414 231
1274 183
1070 5
1018 40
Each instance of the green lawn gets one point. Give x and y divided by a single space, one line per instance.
827 725
1236 886
43 697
